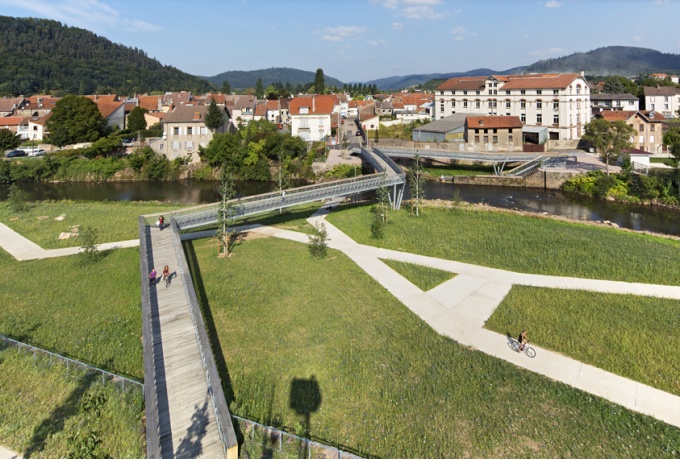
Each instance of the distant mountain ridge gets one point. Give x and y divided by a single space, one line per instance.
248 78
406 81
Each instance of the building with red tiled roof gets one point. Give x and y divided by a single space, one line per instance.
37 127
494 133
111 108
18 125
37 106
310 116
9 105
150 103
558 102
648 125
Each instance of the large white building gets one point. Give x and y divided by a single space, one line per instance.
558 102
664 99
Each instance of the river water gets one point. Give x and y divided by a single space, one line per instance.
636 217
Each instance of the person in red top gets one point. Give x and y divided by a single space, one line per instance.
161 221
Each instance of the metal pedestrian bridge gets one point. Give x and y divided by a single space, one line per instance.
388 174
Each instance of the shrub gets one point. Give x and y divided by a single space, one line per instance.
318 242
17 198
88 238
341 171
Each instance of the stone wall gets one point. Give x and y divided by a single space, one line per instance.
539 179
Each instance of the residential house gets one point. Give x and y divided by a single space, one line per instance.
37 106
9 105
273 111
18 125
662 76
151 104
613 101
185 131
384 108
368 119
152 118
243 110
494 133
111 108
310 117
648 125
664 99
37 127
284 104
559 102
175 99
260 111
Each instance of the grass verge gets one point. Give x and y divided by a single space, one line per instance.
425 278
632 336
49 411
353 367
114 221
520 243
458 170
88 312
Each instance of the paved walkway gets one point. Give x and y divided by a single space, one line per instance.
22 248
6 453
459 308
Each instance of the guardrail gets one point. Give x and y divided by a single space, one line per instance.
525 169
153 435
390 162
215 391
471 156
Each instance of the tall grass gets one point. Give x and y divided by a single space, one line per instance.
49 411
86 311
632 336
425 278
114 221
519 243
388 385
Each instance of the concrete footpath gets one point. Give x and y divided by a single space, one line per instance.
6 453
458 309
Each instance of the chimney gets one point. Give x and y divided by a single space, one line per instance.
583 73
197 115
314 103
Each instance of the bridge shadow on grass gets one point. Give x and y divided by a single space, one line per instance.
215 344
55 422
191 445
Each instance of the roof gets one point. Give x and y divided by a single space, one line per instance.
150 103
273 105
261 109
534 129
10 121
176 98
9 104
186 114
661 90
650 116
637 152
244 101
528 81
499 121
317 104
445 125
42 121
612 96
463 83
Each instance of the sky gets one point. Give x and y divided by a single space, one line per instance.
363 40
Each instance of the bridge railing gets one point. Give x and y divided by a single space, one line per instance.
525 169
472 156
225 426
390 162
153 435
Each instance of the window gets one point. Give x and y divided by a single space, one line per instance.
495 85
486 139
651 127
477 93
204 130
495 131
495 139
477 103
465 93
490 92
510 130
578 89
489 103
495 91
665 106
538 91
651 98
523 117
175 131
486 131
653 106
651 138
507 103
476 130
522 92
665 98
476 139
539 118
175 146
190 130
494 103
556 105
510 138
556 92
641 127
642 141
539 104
523 104
556 119
465 103
507 91
190 145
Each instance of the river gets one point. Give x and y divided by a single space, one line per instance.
636 217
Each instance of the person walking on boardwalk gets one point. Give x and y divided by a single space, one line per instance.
152 277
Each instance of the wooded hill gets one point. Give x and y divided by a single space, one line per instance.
241 79
44 56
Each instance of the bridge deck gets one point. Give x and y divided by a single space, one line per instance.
186 416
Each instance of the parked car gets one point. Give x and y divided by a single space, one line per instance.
36 153
15 153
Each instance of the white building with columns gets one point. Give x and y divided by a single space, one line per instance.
559 102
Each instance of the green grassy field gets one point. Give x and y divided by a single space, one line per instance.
425 278
632 336
458 170
321 336
91 313
665 161
114 221
518 243
48 411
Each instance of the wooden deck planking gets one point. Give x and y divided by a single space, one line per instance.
189 409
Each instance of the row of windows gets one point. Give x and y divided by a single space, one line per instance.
665 99
494 139
493 103
189 131
508 92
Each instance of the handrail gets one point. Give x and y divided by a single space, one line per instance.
472 156
525 169
390 162
215 390
153 435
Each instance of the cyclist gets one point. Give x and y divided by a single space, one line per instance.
166 274
522 339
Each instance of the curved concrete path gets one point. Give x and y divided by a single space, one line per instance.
458 309
6 453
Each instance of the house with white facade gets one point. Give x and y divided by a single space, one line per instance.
185 131
558 102
310 117
613 101
243 110
664 99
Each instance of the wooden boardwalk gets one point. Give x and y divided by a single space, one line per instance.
186 415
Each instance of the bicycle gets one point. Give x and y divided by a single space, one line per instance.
166 278
529 351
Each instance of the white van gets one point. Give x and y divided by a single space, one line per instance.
35 152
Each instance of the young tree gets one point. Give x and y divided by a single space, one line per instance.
9 139
259 89
214 116
672 139
377 135
136 120
319 82
75 119
225 215
318 241
417 182
226 87
89 237
17 198
609 138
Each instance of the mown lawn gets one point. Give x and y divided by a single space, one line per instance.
88 312
425 278
114 221
458 170
519 243
321 336
633 336
49 411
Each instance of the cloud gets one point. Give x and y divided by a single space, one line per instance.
420 12
88 14
636 38
458 30
547 53
413 9
340 33
553 4
397 26
377 42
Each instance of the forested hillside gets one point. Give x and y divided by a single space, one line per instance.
44 56
240 79
611 60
